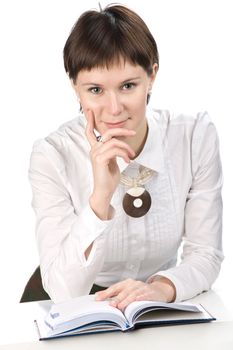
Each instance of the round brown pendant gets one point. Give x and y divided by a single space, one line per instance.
136 202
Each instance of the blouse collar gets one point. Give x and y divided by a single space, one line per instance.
151 155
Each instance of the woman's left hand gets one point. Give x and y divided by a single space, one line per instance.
125 292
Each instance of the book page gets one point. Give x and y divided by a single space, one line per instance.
44 332
170 316
137 308
80 311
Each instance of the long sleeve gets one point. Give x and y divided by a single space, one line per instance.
186 206
62 234
202 241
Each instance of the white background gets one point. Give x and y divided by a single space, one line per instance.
195 43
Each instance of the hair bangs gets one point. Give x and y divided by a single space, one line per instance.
105 39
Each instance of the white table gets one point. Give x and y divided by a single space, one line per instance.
218 335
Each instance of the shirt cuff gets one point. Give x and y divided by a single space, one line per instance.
174 280
88 227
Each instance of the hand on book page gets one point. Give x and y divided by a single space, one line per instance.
125 292
84 315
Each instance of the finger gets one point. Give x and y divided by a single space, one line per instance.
111 150
105 157
142 297
129 298
110 291
117 144
150 294
90 128
117 132
128 295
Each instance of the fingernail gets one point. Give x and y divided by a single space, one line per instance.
97 296
113 303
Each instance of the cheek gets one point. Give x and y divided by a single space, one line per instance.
138 104
89 104
139 99
96 115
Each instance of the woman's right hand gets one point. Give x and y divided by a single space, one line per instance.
106 172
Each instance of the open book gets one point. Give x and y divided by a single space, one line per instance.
85 315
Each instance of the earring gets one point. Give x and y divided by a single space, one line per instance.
148 97
80 106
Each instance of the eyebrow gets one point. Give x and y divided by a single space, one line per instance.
123 82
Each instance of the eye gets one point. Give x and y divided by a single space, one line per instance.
128 86
96 90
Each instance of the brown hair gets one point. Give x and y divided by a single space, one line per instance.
99 39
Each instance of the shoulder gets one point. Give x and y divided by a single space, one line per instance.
71 132
60 146
179 126
166 118
190 137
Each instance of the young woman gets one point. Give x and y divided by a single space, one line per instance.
119 188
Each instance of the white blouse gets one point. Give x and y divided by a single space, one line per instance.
186 208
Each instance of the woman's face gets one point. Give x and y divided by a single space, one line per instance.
117 95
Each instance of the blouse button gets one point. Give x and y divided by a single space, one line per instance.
131 267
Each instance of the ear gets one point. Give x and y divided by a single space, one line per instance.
74 86
155 68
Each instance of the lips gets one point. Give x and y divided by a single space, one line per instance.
118 124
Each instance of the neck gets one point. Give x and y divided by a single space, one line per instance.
138 142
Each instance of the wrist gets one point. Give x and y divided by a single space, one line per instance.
167 286
101 207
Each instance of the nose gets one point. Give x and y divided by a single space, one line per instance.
115 105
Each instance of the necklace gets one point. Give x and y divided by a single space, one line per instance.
137 200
